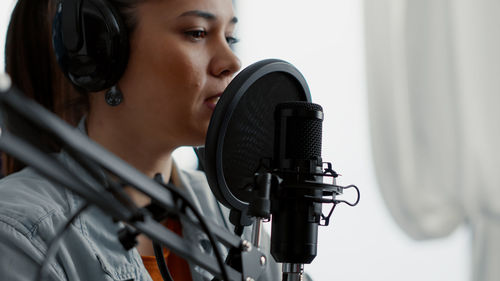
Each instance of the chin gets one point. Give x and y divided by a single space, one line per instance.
196 138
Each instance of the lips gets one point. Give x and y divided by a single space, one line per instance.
211 102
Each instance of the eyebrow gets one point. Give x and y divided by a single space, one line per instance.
205 15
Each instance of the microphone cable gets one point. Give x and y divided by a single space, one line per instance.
162 263
187 203
117 191
54 245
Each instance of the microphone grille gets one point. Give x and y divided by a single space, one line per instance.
303 132
307 106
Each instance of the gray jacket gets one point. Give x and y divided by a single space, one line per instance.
32 210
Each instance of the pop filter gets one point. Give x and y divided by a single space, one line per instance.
241 130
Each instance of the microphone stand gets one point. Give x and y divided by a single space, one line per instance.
35 115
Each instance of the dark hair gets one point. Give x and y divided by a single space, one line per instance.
30 61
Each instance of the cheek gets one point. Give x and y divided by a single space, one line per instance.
168 88
187 68
180 71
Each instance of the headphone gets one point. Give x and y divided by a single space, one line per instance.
90 42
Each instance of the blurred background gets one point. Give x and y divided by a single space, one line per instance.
409 90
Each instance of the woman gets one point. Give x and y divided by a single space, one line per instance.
178 61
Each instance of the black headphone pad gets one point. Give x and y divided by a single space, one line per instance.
96 56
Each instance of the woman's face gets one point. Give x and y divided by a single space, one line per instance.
180 63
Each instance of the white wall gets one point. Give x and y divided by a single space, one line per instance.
6 7
323 39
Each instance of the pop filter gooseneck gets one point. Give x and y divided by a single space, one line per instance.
241 130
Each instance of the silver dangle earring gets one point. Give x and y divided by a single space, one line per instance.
114 96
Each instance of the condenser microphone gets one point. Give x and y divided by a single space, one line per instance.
297 162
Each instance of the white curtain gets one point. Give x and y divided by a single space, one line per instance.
433 70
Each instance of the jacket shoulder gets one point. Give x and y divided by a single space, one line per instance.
27 199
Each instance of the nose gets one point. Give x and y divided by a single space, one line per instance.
225 62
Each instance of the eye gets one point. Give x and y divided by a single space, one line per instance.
196 34
232 40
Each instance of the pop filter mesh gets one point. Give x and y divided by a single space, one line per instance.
250 133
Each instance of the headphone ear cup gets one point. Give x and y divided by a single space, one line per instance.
91 43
